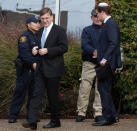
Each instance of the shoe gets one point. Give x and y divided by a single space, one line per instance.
32 126
36 121
80 118
98 118
102 123
115 119
52 124
12 120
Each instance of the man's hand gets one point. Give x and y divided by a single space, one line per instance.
103 62
94 54
35 50
43 51
34 66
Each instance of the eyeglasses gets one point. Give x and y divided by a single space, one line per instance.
95 16
46 18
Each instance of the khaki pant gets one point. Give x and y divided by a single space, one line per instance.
87 78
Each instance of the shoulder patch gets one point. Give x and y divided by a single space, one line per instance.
23 39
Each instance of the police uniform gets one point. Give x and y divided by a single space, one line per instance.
24 81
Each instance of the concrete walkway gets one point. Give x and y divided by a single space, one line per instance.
71 125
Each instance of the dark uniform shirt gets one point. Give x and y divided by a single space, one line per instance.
25 44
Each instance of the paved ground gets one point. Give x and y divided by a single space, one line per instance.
71 125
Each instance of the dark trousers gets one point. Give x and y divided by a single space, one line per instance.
42 83
108 108
23 86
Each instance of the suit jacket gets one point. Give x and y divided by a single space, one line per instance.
52 64
109 44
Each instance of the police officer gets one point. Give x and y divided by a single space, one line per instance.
25 75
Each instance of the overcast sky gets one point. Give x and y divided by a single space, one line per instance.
78 10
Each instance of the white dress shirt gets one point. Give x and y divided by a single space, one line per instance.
107 19
48 29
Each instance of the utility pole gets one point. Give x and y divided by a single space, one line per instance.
43 3
57 12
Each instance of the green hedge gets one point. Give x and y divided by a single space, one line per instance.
124 90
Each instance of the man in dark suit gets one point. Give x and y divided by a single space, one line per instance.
52 45
108 53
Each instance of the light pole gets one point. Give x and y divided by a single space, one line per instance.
43 3
57 12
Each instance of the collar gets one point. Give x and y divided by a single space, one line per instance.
31 32
96 25
49 27
107 19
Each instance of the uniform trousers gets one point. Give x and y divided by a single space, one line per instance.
87 77
24 86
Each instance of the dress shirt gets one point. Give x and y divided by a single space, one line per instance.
107 19
48 29
45 34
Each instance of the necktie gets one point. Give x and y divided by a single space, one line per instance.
43 38
102 25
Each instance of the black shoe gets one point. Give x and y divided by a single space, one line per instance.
36 121
80 118
102 123
98 118
32 126
12 120
52 124
115 119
